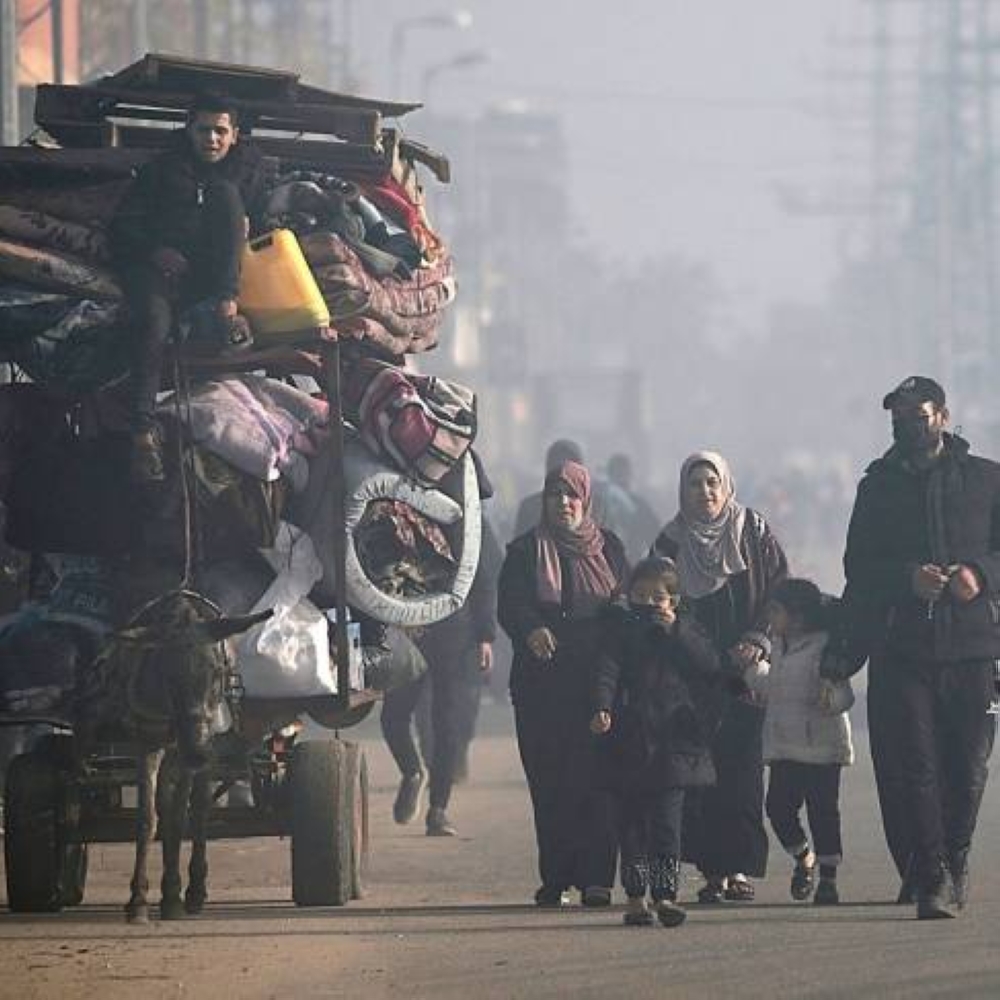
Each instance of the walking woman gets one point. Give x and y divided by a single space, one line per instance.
555 582
729 562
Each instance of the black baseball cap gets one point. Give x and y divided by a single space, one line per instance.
915 389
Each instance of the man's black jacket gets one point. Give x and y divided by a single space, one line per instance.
947 514
165 206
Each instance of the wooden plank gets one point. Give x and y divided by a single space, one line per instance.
83 135
191 75
28 163
438 164
59 103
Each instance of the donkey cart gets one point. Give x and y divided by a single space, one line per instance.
315 793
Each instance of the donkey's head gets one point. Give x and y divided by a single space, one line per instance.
180 659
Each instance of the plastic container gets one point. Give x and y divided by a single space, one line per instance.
278 293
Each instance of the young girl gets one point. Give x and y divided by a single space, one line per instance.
656 666
807 738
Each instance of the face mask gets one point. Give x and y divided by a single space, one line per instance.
915 436
644 612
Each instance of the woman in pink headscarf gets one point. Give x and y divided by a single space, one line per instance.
729 562
555 581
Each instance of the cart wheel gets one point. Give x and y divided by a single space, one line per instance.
357 768
321 822
44 872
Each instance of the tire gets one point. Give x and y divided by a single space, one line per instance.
357 770
321 824
44 872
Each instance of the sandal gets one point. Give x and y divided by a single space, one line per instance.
739 889
711 892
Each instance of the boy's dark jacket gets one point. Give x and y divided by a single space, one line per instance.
165 204
658 687
902 519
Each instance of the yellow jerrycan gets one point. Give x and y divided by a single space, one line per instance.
278 293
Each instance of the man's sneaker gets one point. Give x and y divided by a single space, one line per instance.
407 803
146 459
826 893
438 824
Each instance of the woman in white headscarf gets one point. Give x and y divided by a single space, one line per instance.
729 561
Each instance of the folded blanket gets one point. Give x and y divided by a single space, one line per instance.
57 271
42 230
254 423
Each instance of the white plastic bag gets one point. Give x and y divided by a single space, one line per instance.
288 655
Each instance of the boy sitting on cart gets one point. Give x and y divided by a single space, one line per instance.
178 239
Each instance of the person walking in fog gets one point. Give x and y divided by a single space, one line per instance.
458 651
729 563
650 691
554 583
629 515
807 738
922 565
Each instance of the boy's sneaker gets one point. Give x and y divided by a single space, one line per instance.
826 893
803 876
669 913
146 458
438 824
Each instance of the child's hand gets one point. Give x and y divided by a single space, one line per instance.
827 694
664 614
600 723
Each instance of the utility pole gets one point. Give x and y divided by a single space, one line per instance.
9 130
140 28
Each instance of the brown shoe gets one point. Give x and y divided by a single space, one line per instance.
146 464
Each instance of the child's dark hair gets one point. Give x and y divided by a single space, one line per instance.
212 102
805 600
657 568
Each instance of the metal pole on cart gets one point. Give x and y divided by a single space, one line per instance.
331 364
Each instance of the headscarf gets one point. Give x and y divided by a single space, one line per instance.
582 547
708 551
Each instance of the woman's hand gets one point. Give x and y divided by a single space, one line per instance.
600 723
542 643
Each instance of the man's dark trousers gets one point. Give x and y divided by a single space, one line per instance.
946 735
213 273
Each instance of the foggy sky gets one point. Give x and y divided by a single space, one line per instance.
683 118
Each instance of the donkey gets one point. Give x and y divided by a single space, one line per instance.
165 675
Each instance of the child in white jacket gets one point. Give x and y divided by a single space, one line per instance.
807 738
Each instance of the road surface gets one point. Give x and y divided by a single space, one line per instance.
448 918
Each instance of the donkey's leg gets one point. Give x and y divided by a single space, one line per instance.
201 804
137 908
173 814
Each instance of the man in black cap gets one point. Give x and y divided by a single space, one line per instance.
923 601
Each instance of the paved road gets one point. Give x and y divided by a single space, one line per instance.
447 918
